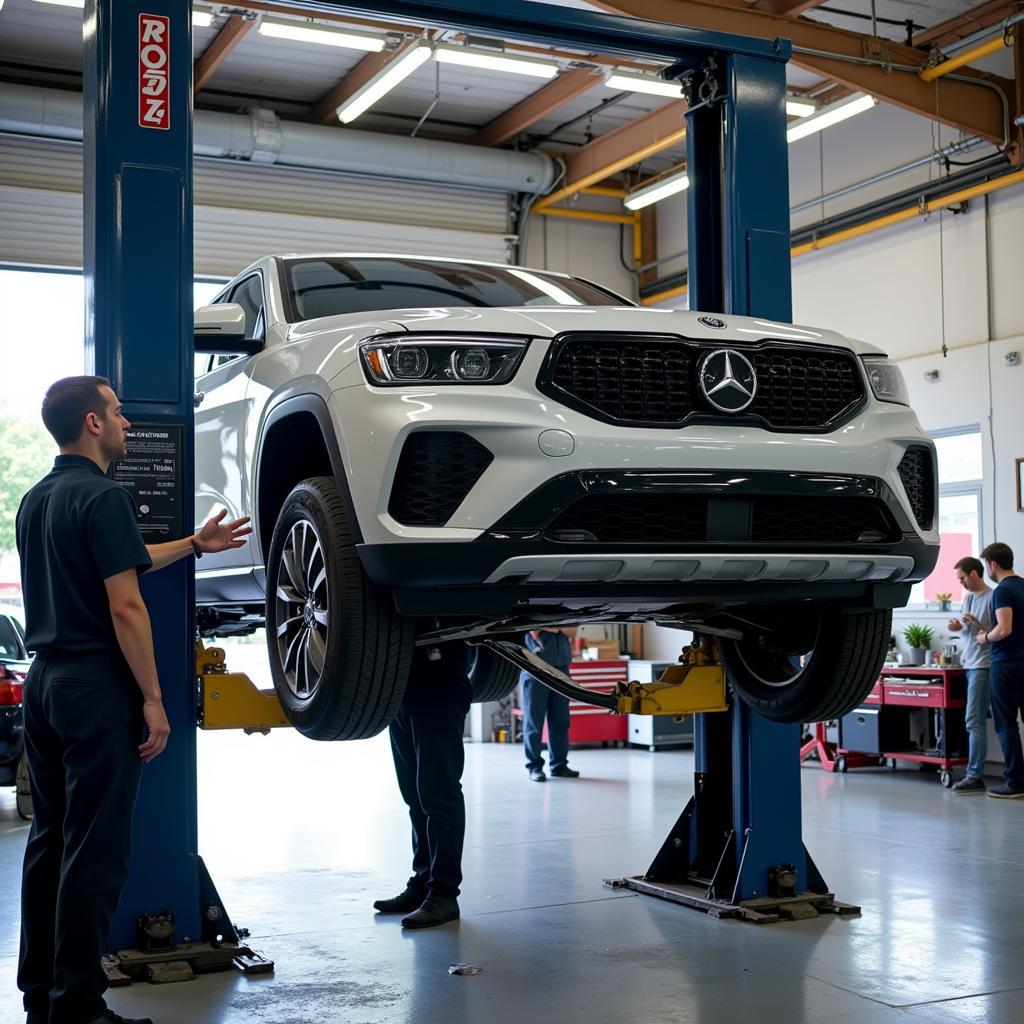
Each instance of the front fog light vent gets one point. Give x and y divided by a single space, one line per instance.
917 471
436 470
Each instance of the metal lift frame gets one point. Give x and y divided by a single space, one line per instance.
745 819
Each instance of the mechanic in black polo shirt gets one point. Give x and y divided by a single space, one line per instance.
93 710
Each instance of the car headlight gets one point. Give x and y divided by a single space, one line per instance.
886 380
391 361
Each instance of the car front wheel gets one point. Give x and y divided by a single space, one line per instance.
812 664
339 652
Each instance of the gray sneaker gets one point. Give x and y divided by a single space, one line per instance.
1006 792
969 784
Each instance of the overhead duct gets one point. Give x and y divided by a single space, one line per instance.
262 137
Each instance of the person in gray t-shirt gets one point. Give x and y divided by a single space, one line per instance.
976 617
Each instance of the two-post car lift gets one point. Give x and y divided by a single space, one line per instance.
740 837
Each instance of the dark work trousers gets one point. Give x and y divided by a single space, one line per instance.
540 702
426 741
83 723
1007 679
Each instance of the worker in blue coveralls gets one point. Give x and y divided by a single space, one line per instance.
555 647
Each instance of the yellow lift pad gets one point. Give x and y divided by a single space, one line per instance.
696 686
231 700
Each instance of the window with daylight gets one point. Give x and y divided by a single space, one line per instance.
960 473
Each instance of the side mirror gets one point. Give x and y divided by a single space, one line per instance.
220 330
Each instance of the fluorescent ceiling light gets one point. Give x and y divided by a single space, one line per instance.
496 60
202 19
348 39
800 108
649 84
383 82
830 115
654 193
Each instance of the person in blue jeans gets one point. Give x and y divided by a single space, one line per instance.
1006 640
976 617
555 647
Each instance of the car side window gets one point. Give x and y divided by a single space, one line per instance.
249 295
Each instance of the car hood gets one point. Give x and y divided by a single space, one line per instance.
548 321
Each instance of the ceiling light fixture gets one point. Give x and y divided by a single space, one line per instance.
496 60
656 191
202 19
300 32
796 106
383 82
650 84
830 115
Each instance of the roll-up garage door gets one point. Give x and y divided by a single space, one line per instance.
245 210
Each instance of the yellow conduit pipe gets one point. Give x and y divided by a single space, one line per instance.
963 195
967 57
608 218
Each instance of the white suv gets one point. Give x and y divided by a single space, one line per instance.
437 449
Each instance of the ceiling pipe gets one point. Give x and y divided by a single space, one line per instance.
976 52
260 136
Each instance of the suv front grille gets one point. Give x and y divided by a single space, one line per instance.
652 381
635 518
821 521
918 476
436 470
685 518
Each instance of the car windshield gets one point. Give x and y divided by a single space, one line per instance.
10 642
327 286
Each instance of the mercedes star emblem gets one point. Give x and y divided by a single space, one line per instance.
727 380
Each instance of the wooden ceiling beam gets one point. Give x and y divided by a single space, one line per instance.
233 32
834 53
559 91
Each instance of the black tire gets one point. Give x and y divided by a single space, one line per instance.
347 678
842 654
491 676
23 793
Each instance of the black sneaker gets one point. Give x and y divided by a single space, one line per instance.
969 784
434 911
405 902
565 772
1006 792
537 775
109 1017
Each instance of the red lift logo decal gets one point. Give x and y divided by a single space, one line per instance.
154 71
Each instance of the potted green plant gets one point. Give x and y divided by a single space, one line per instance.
918 638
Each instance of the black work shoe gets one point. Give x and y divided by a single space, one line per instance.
969 784
435 910
537 775
565 772
404 903
1006 792
109 1017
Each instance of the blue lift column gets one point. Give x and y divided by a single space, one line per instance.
138 330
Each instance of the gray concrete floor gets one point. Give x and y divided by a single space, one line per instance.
318 831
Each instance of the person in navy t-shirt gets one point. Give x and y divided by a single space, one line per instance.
1006 641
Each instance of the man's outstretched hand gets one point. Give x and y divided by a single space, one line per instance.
216 535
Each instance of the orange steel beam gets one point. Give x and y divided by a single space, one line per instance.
559 91
653 132
972 105
974 20
787 8
326 109
233 32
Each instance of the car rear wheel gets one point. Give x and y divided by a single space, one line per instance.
816 664
339 652
491 676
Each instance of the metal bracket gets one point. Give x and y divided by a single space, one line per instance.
231 700
701 87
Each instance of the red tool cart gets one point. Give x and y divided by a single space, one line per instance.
588 724
917 714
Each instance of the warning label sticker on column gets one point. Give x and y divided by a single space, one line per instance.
152 473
